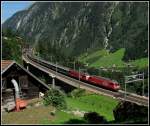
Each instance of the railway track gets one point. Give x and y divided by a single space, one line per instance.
77 83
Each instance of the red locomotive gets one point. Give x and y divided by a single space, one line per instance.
96 80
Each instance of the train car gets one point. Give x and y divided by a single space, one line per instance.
98 81
55 67
76 74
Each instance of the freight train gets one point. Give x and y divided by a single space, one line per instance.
94 80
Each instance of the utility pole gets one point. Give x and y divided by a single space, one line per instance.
125 90
143 83
79 73
74 65
79 76
56 68
51 59
126 80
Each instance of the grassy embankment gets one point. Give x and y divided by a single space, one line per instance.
41 115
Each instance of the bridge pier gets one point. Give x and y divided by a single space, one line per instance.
27 67
53 80
53 83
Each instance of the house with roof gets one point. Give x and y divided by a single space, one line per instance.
18 82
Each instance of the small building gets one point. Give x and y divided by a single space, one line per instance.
29 85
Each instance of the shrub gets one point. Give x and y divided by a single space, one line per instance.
75 121
55 98
77 93
94 118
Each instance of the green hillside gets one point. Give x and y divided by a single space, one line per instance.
110 60
90 58
141 63
102 58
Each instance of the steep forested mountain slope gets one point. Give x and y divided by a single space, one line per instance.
72 28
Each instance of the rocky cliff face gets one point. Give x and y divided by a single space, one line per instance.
73 28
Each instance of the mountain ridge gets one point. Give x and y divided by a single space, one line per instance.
73 28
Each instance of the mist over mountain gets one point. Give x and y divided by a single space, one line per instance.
73 28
